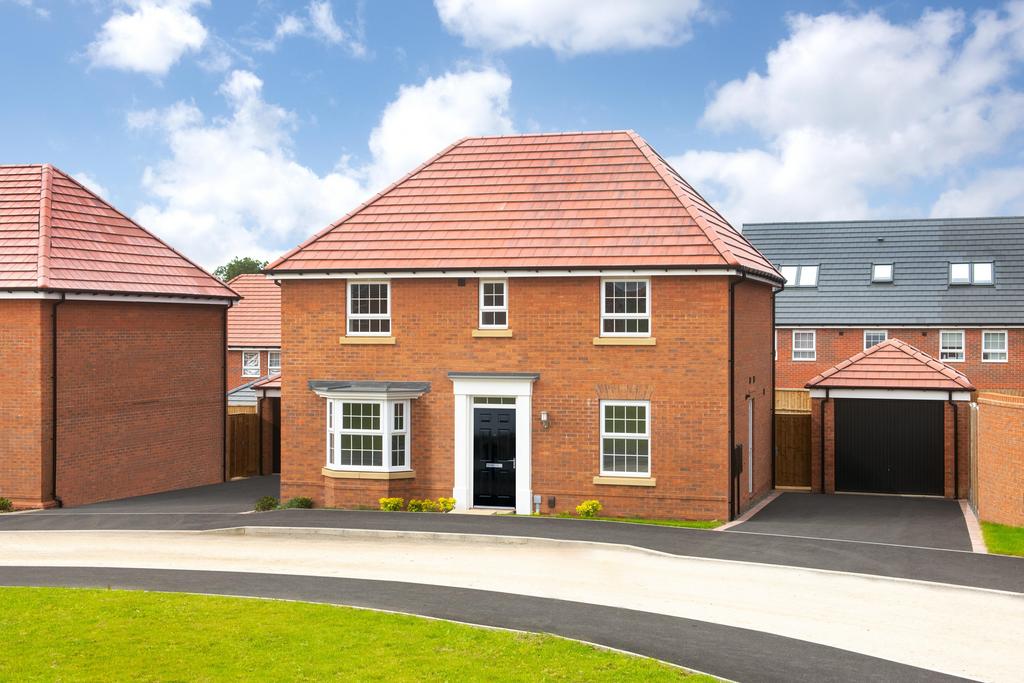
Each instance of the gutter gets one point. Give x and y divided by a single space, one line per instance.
733 498
822 440
53 390
956 447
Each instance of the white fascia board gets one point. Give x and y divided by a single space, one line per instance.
268 393
128 298
973 326
27 294
369 395
254 348
502 274
898 394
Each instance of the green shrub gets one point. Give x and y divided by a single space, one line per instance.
446 504
427 505
415 505
6 505
266 503
391 504
301 503
589 508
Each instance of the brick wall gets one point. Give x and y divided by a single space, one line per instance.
553 321
1000 459
234 369
25 401
834 346
141 401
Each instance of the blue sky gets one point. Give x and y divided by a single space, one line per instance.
241 128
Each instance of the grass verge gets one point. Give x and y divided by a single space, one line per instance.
104 635
1003 539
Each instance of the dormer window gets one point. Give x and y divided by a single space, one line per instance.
971 273
881 272
800 276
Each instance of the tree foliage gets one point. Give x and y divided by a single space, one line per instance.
240 265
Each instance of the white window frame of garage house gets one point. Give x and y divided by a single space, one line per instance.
493 310
273 367
626 437
884 333
994 354
615 316
394 430
354 317
813 349
247 370
955 353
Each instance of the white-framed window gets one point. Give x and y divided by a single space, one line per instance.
369 308
805 345
250 363
800 276
995 346
368 435
881 272
273 361
626 438
951 346
874 337
493 304
982 273
625 307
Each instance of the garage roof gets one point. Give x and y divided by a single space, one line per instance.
553 201
57 235
893 364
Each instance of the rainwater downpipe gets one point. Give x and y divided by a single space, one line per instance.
956 447
822 428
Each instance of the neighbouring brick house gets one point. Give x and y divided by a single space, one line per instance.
531 321
112 346
254 330
953 288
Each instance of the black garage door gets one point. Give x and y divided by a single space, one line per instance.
886 446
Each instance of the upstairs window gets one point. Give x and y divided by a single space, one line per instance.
951 346
971 273
994 346
250 363
804 345
493 304
626 308
273 362
881 272
800 276
874 337
369 308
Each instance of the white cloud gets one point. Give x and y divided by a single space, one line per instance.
148 36
318 23
41 12
994 193
570 26
850 105
233 185
90 183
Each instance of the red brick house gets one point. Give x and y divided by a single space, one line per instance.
112 345
527 322
254 330
953 288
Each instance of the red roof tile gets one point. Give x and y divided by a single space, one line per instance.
268 382
256 319
893 364
567 200
57 235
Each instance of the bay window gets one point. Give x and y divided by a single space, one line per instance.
368 435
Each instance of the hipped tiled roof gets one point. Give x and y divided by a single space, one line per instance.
893 364
56 235
557 201
256 319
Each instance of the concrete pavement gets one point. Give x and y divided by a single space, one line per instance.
940 628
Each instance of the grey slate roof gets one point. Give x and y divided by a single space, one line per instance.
921 251
366 386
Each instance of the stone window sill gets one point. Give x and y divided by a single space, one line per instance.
367 340
625 341
492 333
362 474
625 481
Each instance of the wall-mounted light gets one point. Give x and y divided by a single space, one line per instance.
545 422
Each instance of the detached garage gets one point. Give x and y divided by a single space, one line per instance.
891 419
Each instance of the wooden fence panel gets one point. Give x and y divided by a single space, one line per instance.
793 449
792 401
243 445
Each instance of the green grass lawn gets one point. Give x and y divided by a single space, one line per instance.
62 634
687 523
1003 539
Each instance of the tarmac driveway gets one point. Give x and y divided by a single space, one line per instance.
897 520
238 495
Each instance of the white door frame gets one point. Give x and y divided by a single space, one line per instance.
467 386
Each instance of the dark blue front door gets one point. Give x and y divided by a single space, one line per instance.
494 457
